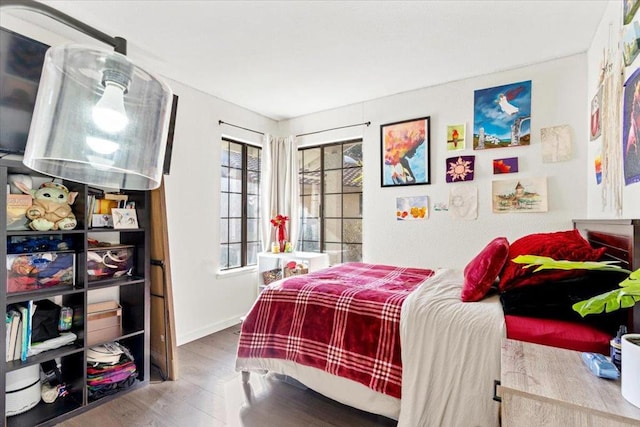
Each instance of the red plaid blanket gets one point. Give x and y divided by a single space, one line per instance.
344 320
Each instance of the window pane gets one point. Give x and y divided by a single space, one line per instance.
352 180
252 253
224 179
235 230
224 256
253 158
352 253
333 181
352 155
224 231
310 229
235 180
332 230
235 155
352 232
253 182
311 159
253 227
253 206
333 206
310 183
311 206
352 205
235 255
225 153
335 252
235 205
333 157
311 246
224 205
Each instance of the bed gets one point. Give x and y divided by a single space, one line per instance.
417 345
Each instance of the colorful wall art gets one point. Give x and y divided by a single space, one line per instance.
405 152
412 208
520 195
456 137
506 165
631 129
460 168
502 116
556 144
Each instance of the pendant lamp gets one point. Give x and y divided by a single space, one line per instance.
99 119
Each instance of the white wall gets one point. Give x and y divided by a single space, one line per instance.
558 98
606 35
204 300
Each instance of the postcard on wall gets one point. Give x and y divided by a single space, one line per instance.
520 195
631 129
412 208
630 9
463 202
460 168
556 144
596 115
502 116
456 137
506 165
124 218
405 152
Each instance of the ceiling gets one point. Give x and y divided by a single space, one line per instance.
285 59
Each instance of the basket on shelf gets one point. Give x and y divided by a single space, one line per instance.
288 272
270 276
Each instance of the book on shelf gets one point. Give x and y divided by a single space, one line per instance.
12 332
118 197
17 205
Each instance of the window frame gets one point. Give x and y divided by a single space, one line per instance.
244 195
322 243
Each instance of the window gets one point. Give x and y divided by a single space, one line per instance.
330 179
239 204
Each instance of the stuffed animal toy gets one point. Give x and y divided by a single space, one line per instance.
51 208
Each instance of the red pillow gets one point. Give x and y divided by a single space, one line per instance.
557 333
560 245
483 270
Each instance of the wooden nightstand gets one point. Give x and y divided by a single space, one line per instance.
549 386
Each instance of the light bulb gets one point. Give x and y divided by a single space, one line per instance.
109 113
102 146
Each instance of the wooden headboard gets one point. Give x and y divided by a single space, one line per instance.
621 237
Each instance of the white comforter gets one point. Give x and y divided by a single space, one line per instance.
450 356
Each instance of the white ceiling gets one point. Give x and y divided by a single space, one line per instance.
285 59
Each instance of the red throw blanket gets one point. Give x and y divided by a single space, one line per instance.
344 320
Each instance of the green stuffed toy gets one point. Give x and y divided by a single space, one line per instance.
51 208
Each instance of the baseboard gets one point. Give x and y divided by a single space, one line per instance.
208 330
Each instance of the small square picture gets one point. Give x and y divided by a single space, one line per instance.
124 218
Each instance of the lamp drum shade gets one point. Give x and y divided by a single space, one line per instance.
99 120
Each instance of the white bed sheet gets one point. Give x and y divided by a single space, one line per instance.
460 340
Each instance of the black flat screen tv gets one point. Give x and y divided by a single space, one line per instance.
21 60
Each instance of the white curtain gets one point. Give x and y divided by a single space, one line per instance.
279 186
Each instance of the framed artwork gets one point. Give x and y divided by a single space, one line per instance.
406 152
463 202
630 39
556 144
124 218
412 208
630 8
502 116
631 129
506 165
456 137
520 195
460 169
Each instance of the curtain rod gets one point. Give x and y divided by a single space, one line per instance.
336 128
220 122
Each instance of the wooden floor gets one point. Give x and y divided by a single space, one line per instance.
210 393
